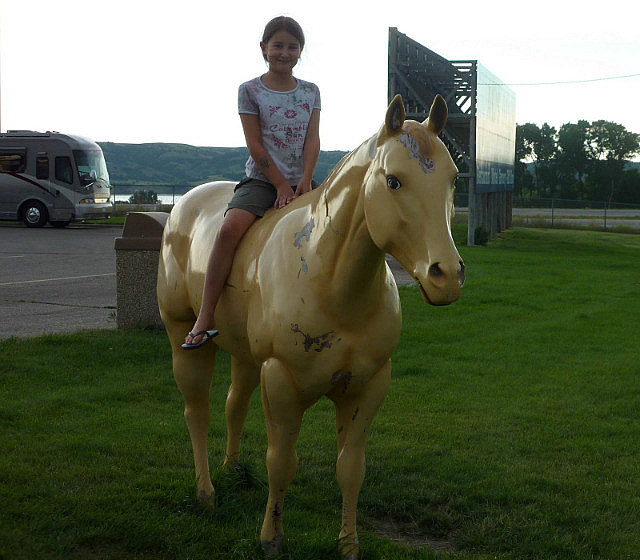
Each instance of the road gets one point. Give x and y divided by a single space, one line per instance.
56 280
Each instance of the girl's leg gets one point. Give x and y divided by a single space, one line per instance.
234 226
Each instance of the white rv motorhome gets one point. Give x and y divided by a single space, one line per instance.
52 177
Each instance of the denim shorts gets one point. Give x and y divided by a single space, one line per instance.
255 196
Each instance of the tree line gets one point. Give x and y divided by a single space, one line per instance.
583 161
184 165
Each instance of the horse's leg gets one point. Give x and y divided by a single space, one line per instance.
245 377
193 372
283 410
354 414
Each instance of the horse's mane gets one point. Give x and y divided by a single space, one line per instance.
363 150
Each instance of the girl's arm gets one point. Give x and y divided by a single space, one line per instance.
253 136
310 153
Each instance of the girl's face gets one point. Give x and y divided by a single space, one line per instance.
281 52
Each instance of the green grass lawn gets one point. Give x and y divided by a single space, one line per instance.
510 431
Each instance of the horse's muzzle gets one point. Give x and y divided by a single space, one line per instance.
444 286
436 273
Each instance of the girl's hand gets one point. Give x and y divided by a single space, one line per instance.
285 196
304 186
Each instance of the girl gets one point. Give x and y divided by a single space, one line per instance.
280 117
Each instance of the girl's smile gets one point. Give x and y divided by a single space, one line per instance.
281 52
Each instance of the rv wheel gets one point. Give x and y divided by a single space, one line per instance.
34 214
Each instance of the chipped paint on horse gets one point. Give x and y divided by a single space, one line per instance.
310 308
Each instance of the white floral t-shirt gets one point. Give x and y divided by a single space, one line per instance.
284 117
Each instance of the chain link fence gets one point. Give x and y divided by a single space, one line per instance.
565 213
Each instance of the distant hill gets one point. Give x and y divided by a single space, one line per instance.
184 165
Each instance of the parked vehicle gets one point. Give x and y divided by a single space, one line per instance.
52 177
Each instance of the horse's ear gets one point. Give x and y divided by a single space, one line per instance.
393 121
395 116
437 115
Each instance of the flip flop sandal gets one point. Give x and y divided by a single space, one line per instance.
206 337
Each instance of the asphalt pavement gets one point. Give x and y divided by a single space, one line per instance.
57 280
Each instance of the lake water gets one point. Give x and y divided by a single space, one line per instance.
162 198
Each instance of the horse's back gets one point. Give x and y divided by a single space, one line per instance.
206 202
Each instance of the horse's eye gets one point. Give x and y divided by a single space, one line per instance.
393 182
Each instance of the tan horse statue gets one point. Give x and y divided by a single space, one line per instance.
310 308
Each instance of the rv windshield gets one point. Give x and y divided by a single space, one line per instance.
91 168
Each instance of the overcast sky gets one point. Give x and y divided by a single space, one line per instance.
151 71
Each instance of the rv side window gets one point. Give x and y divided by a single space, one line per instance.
42 167
64 171
12 160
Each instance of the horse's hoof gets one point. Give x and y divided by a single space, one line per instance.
207 500
352 554
348 548
273 549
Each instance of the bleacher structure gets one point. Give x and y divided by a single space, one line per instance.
480 130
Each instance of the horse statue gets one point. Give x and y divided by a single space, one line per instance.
311 308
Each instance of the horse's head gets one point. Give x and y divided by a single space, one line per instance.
409 201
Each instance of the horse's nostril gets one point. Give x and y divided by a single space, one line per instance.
435 271
461 274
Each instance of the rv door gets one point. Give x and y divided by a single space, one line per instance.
64 188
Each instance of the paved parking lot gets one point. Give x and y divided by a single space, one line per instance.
56 280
